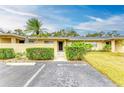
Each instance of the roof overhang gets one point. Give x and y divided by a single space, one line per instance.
12 35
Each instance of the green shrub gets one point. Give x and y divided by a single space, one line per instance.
75 53
76 50
81 44
40 53
7 53
107 47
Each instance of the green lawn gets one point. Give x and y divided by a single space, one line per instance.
110 64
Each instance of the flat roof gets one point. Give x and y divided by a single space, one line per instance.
67 38
19 36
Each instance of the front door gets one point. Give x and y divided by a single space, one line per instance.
60 46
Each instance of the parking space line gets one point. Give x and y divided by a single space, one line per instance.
31 79
71 64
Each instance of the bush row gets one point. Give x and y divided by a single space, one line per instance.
7 53
40 53
31 53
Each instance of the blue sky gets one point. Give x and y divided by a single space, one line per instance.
83 18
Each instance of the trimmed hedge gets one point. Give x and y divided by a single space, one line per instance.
75 53
7 53
40 53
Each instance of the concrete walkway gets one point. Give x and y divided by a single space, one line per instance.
58 74
60 57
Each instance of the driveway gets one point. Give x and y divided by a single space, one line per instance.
59 74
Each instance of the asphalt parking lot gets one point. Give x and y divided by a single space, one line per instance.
59 74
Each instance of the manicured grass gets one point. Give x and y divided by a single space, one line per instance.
110 64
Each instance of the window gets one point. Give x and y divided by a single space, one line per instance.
48 42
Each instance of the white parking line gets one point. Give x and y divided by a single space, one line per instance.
31 79
71 64
20 64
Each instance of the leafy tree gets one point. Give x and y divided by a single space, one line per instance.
72 33
19 32
101 34
65 33
96 34
43 34
113 33
34 25
9 32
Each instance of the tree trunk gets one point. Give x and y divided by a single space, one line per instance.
37 32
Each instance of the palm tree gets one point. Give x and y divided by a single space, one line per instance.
34 25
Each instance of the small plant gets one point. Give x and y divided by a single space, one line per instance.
107 48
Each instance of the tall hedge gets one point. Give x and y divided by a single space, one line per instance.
40 53
7 53
75 53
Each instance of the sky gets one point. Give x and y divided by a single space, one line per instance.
84 19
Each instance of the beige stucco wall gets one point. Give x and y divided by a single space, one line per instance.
18 47
5 40
119 46
9 39
13 42
100 45
22 47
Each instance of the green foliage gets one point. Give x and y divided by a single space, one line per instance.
76 50
40 53
34 25
102 34
107 47
65 33
113 33
7 53
81 44
19 32
96 34
43 34
75 53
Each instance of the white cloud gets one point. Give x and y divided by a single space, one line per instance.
112 23
18 12
95 18
50 27
11 22
12 17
